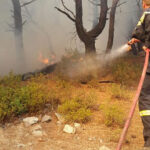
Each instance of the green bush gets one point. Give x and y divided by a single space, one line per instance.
28 98
113 115
78 109
74 111
10 80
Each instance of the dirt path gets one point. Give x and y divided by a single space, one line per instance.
16 136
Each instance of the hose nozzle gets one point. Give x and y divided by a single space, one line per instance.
133 41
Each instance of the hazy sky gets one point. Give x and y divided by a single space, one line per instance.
47 30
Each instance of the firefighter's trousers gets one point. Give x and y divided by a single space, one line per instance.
144 107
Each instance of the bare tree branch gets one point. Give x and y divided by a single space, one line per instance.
68 15
67 8
121 4
27 3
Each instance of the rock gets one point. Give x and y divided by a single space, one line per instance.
104 148
77 125
20 145
78 138
37 133
37 127
69 129
30 121
92 138
37 130
46 118
60 117
101 141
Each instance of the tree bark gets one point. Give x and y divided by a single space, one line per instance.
111 26
90 47
89 38
18 31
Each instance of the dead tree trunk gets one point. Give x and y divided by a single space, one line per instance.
18 25
87 37
111 25
18 31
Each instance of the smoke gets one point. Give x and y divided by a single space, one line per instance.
85 66
115 54
48 32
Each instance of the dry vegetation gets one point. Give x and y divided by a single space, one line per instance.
76 100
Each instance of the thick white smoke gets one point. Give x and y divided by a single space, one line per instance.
47 31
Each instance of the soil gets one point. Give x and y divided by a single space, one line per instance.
90 136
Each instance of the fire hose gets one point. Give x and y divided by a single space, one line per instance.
135 100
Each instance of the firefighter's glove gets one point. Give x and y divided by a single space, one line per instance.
133 40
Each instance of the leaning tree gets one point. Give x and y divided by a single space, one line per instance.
87 37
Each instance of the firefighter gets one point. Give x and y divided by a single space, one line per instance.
142 34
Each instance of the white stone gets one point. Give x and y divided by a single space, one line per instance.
92 138
69 129
60 117
101 141
30 121
77 125
37 133
78 138
104 148
36 127
46 118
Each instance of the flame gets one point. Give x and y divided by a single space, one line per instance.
43 60
51 60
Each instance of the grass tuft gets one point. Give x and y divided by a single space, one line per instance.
113 115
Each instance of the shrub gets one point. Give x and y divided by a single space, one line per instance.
60 83
113 115
15 101
10 80
126 73
78 109
74 111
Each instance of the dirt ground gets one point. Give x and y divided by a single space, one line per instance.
90 136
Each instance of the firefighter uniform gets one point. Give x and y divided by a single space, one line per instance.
142 33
